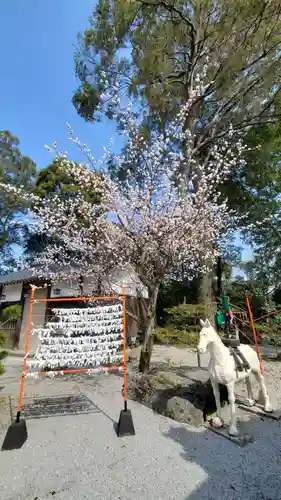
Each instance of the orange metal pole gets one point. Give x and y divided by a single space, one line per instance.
254 333
28 333
268 315
124 347
84 370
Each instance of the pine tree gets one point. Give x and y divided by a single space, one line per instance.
15 170
155 48
153 51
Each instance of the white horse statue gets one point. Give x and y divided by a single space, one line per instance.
222 370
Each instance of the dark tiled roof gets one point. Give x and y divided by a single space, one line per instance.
16 276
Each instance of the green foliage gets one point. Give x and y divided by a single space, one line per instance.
254 192
86 101
270 329
55 180
270 335
11 313
3 354
181 315
238 289
172 293
182 324
156 49
2 369
175 337
153 49
248 187
16 170
3 338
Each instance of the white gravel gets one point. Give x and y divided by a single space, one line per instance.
80 456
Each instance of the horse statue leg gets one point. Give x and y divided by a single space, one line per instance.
260 379
233 429
217 421
250 401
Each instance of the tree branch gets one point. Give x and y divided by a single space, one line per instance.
171 9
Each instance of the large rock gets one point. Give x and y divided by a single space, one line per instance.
182 410
182 399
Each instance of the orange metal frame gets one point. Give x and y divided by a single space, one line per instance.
277 311
78 370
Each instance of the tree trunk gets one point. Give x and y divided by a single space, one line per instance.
147 346
205 295
219 290
16 339
205 288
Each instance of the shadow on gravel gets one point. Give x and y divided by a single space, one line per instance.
231 472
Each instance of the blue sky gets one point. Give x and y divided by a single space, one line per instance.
38 80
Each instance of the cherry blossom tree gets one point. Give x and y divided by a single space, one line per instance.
159 221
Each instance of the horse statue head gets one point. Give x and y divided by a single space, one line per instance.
207 335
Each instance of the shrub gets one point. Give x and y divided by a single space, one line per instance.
11 313
3 354
176 337
186 316
270 331
182 325
142 388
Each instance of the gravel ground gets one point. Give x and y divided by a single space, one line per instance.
78 456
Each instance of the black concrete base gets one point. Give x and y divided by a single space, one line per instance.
125 425
258 409
16 436
241 440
